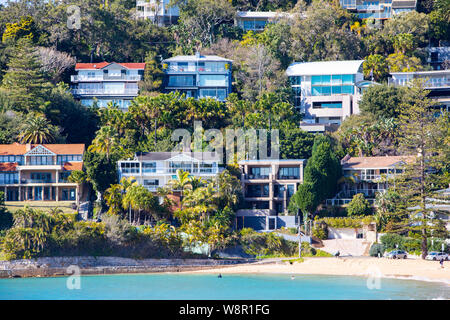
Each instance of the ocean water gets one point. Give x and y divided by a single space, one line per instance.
210 287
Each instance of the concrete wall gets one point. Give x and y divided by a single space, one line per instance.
343 233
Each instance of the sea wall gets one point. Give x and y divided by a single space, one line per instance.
59 266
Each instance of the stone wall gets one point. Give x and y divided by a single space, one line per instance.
57 266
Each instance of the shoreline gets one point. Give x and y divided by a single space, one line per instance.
410 269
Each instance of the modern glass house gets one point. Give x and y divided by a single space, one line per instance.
106 82
326 92
198 76
378 9
257 20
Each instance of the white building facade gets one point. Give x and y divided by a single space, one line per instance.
327 92
154 170
159 11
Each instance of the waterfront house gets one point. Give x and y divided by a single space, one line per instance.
107 82
154 170
437 81
368 175
268 186
198 76
378 9
326 92
39 172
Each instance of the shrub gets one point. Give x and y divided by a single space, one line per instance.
376 249
320 230
391 240
359 206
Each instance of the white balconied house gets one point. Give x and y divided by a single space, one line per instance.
327 92
158 11
155 169
107 82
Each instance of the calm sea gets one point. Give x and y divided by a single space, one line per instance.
210 287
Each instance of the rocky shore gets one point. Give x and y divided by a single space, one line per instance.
59 266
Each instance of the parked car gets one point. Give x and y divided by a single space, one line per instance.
434 255
396 254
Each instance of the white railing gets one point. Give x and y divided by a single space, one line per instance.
105 91
76 78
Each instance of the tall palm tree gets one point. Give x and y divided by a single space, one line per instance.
104 141
37 129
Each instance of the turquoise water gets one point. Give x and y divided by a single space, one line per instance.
209 287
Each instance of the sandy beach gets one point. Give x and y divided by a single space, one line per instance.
409 269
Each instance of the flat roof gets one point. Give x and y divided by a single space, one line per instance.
431 72
259 161
324 68
194 58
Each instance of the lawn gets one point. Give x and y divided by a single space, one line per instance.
66 206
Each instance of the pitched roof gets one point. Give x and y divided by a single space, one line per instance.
324 68
101 65
8 166
71 166
20 149
374 162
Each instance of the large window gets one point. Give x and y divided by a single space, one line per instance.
289 173
41 177
326 85
211 80
181 81
9 177
219 94
129 167
18 159
148 167
70 158
321 105
40 160
259 172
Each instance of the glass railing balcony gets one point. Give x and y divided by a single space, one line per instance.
25 181
11 181
257 176
256 195
286 177
196 69
76 78
133 91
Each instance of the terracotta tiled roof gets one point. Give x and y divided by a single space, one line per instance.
374 162
101 65
20 149
71 166
8 166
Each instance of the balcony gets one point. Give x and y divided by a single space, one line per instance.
194 69
285 177
78 78
51 166
30 181
105 92
429 84
256 177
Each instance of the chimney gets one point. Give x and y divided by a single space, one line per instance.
28 147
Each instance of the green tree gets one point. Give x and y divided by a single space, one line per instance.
423 135
375 66
359 206
37 129
24 81
382 101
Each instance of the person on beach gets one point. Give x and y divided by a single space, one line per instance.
441 262
219 276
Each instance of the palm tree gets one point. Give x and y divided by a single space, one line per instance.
104 141
37 129
181 183
78 177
